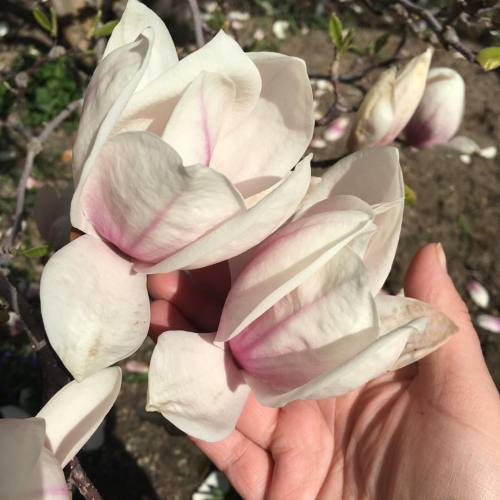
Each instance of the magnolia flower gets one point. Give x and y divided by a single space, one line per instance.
177 165
390 103
489 322
34 451
478 294
440 111
305 318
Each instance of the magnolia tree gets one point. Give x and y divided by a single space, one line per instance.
181 165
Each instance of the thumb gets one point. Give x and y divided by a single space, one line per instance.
460 360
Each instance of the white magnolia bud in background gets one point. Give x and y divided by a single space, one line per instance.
478 294
440 111
390 103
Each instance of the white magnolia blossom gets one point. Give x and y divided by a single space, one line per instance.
439 114
390 103
305 318
33 451
177 165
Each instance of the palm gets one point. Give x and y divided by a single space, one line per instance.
423 432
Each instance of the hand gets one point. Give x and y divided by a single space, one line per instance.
428 431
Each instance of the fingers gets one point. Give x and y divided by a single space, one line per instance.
246 465
201 308
427 280
165 316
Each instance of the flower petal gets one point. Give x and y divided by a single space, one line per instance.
193 128
135 19
74 413
195 385
397 311
245 229
375 176
95 308
147 204
109 91
222 55
281 124
478 294
287 259
21 443
283 347
378 358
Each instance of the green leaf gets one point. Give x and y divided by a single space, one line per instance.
4 316
410 195
38 251
489 58
135 377
53 20
335 31
41 18
380 42
348 39
105 29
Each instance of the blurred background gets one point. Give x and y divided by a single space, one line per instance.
48 51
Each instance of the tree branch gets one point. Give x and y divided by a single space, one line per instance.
198 27
78 477
34 148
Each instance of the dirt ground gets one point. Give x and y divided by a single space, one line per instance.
457 204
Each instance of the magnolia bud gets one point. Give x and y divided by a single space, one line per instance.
440 111
390 103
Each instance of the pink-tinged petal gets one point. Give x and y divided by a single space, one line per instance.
488 322
287 259
245 230
283 347
434 332
193 128
440 111
478 294
222 55
378 358
375 176
46 481
148 205
272 138
94 307
74 413
195 385
135 19
109 91
21 443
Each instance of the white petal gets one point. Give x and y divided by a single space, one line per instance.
21 443
378 358
195 385
244 230
275 135
109 91
94 307
488 322
74 413
148 205
375 176
193 129
478 294
47 482
284 261
135 19
434 332
221 55
284 346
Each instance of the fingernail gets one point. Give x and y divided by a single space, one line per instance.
441 257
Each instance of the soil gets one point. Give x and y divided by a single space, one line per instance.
457 204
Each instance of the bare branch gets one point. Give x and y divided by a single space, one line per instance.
78 477
198 27
34 148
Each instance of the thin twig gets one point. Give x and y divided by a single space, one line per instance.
78 477
34 148
445 33
198 27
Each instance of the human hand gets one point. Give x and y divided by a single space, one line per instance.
427 431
